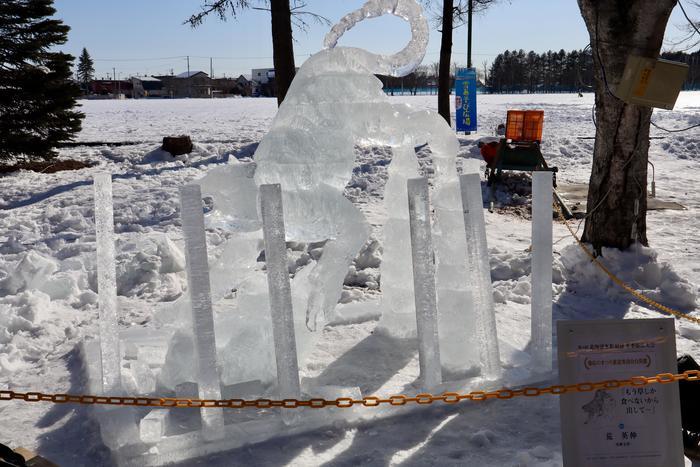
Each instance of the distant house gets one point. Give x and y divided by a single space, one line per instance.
150 86
263 75
263 82
224 87
187 84
110 89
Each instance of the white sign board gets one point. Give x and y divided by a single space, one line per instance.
636 426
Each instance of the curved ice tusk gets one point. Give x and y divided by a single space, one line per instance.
403 62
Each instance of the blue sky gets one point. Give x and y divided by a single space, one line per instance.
148 37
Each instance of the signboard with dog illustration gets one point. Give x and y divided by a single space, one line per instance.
636 426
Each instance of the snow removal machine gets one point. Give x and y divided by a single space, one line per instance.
518 149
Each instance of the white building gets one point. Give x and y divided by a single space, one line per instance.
263 75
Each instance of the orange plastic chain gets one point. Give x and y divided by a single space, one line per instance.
347 402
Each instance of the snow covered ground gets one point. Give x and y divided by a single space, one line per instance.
48 300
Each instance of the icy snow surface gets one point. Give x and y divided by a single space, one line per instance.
48 300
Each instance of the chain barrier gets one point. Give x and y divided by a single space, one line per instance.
347 402
395 400
620 282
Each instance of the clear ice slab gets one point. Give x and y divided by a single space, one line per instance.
542 271
424 282
202 312
107 285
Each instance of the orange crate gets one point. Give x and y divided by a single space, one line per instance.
524 125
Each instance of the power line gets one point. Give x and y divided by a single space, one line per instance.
137 59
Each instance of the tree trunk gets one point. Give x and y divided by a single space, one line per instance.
445 59
282 47
617 197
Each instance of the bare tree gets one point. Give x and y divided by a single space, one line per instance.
282 15
617 197
453 15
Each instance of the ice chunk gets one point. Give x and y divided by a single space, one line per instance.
234 192
152 426
424 282
542 271
144 377
118 426
281 308
478 256
200 302
107 284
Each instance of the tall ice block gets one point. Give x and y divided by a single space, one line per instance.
107 285
541 271
424 282
477 250
280 291
200 301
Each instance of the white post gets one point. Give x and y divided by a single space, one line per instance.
477 250
200 302
424 282
107 285
280 291
541 336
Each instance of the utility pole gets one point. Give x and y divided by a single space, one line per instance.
189 83
211 77
114 82
469 34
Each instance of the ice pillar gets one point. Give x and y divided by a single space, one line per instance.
424 282
478 256
200 303
280 291
541 337
107 285
398 312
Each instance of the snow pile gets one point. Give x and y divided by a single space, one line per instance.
150 267
638 267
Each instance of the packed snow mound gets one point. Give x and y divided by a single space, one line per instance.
638 267
511 271
152 266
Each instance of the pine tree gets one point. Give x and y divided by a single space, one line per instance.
86 69
37 96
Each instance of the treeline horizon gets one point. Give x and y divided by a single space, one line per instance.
517 71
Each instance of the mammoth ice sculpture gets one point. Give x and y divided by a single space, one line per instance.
334 104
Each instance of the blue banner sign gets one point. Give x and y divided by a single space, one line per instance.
465 99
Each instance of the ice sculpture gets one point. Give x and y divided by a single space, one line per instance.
225 344
107 284
335 103
541 271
